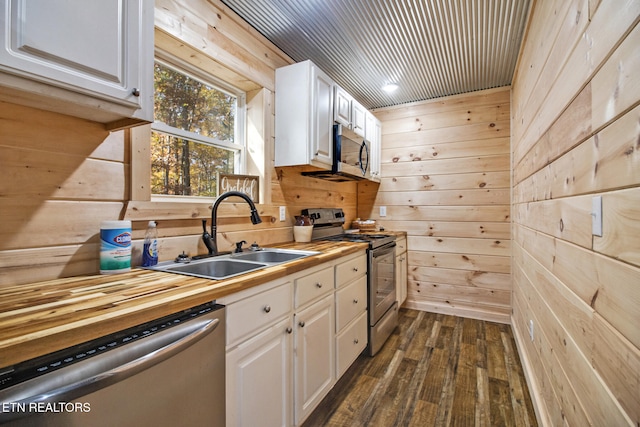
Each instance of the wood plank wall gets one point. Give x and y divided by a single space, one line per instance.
445 180
576 135
62 176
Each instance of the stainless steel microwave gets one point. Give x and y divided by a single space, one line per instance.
351 157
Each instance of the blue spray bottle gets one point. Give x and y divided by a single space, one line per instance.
150 247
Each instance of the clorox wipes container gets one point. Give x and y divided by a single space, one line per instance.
115 247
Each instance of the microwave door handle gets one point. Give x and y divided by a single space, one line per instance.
364 163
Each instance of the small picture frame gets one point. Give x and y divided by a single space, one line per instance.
247 184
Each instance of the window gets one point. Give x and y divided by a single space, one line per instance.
196 133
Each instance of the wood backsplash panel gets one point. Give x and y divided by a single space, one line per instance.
301 192
446 181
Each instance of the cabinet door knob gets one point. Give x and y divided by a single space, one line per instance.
135 92
318 285
289 330
355 269
267 308
355 301
355 341
301 324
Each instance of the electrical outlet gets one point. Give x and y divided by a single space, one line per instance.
383 211
283 213
531 329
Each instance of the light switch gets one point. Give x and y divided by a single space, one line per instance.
596 216
383 211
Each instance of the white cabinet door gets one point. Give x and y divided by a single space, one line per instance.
373 132
259 379
350 343
304 116
376 151
314 356
322 141
358 118
102 49
401 271
342 110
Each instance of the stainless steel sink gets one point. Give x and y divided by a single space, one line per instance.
216 268
273 255
225 266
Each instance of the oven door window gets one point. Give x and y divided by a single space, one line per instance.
383 274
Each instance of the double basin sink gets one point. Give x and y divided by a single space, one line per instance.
226 266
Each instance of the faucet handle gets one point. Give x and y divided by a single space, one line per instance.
183 258
239 246
255 247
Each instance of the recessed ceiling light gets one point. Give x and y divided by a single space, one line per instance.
390 88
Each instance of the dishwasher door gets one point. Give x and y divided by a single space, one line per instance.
167 373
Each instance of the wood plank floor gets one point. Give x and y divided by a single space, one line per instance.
435 370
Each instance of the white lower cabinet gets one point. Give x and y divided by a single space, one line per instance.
350 343
401 270
259 380
314 356
351 311
282 338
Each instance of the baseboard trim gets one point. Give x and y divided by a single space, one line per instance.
472 313
534 390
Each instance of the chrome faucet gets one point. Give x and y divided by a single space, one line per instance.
211 240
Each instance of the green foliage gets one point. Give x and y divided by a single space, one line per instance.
181 166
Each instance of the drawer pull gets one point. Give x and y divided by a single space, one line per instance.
289 330
318 285
301 324
355 341
267 308
355 301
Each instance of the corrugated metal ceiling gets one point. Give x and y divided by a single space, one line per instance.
430 48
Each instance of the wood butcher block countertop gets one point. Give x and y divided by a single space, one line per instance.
39 318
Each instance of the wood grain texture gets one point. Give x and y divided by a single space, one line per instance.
446 182
63 175
435 370
39 318
575 134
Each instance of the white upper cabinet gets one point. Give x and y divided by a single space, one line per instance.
304 116
91 59
358 118
348 112
374 136
342 107
307 105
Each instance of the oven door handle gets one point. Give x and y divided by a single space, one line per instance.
383 250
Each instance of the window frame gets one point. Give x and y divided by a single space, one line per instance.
240 124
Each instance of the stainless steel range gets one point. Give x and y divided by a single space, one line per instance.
381 282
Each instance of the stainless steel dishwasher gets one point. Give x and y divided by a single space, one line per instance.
168 372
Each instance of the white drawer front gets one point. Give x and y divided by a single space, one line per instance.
257 312
350 302
350 270
314 285
350 343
